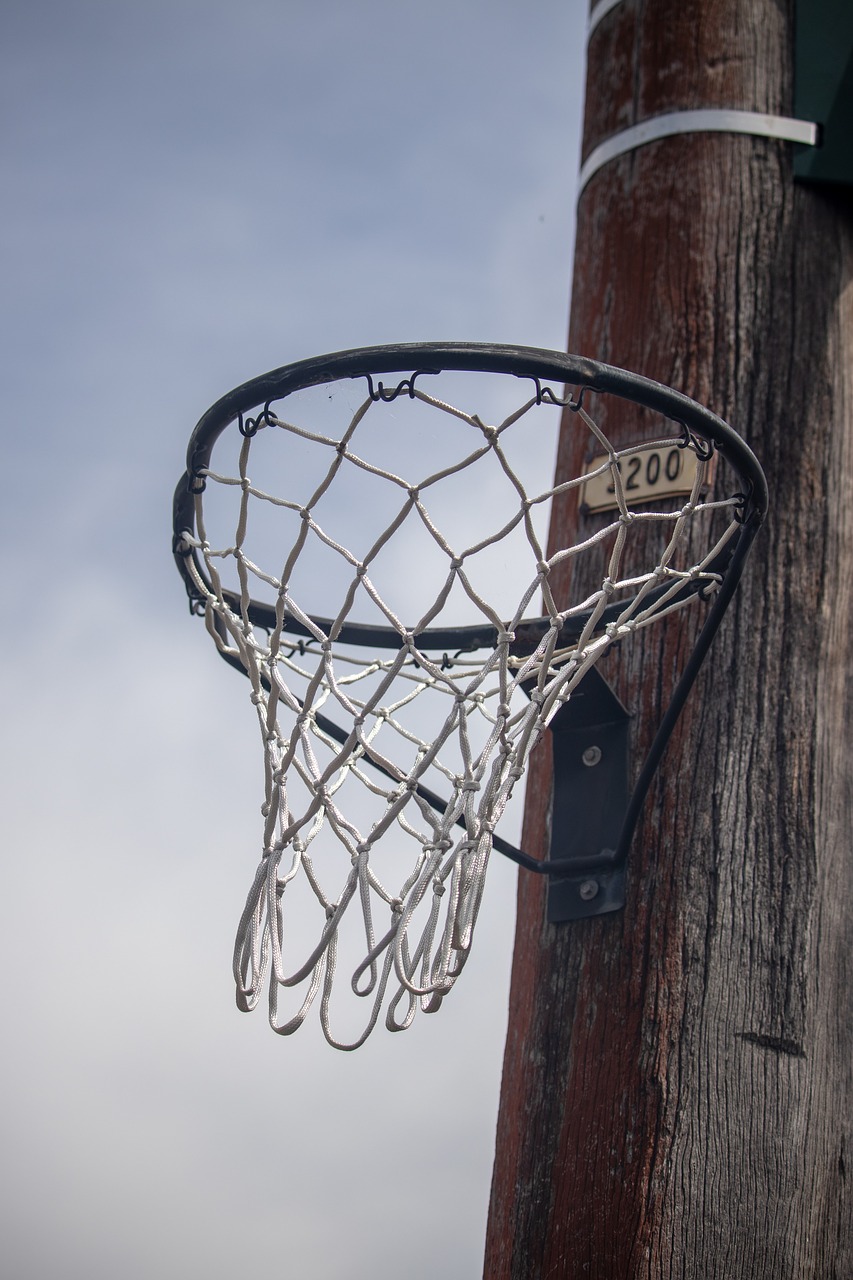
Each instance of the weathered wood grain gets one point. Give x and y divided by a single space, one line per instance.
676 1099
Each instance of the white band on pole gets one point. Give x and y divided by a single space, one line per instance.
600 11
705 120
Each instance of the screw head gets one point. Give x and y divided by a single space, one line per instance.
588 890
591 756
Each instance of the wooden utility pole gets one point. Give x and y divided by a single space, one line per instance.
676 1098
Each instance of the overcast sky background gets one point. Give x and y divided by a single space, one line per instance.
195 192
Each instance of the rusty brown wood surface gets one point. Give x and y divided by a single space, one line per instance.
676 1098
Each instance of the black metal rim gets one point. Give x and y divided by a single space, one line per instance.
420 359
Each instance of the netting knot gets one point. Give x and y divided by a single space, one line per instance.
505 637
543 569
504 711
627 517
470 784
439 846
438 888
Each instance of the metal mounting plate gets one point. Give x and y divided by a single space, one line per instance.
590 748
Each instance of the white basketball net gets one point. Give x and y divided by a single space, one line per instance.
404 910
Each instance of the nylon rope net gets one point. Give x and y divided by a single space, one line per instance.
356 861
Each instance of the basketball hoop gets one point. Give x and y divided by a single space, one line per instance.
382 579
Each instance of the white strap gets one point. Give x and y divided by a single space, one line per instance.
705 120
600 11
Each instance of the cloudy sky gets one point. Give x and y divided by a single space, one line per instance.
194 192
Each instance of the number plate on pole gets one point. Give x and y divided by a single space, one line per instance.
648 474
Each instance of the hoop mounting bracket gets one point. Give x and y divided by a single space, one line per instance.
590 749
